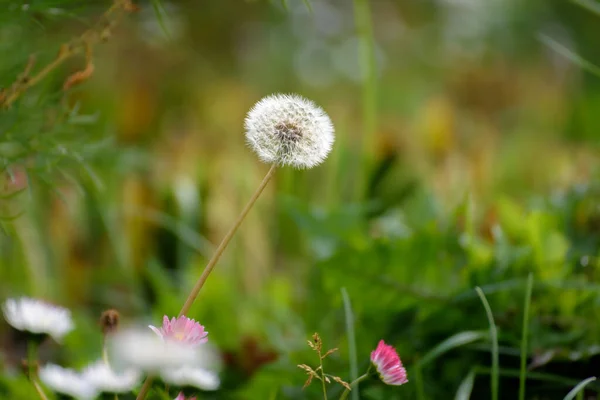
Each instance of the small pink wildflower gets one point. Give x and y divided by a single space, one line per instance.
180 396
182 329
388 364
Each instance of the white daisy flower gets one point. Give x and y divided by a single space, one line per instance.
38 317
67 381
289 130
191 376
104 379
144 350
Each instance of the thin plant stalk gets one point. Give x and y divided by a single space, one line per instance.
525 337
353 384
213 261
494 338
31 362
366 59
39 389
351 340
322 376
223 245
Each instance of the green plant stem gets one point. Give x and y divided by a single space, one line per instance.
354 383
39 389
494 338
213 261
366 54
322 377
223 245
145 388
524 337
351 340
31 363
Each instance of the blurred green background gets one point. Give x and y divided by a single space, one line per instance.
466 155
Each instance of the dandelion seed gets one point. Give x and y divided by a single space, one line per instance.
388 364
38 317
67 381
289 130
182 329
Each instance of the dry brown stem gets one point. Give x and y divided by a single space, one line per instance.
84 42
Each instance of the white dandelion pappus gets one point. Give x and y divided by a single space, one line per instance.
105 380
38 317
67 381
142 349
289 130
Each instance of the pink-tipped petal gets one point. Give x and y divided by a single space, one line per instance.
388 364
182 329
180 396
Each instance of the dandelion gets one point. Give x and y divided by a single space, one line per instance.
67 381
282 130
143 350
180 396
104 379
289 130
182 329
388 364
38 317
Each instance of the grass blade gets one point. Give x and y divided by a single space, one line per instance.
351 343
308 6
579 388
466 387
366 51
494 338
570 55
160 13
454 341
536 376
525 336
589 5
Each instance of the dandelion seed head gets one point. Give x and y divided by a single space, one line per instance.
289 130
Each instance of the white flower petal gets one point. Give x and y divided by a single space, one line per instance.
67 381
142 349
36 316
104 379
191 376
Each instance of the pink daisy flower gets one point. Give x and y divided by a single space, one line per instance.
182 329
388 364
180 396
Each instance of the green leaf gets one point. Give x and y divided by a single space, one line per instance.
466 387
589 5
458 340
494 337
580 386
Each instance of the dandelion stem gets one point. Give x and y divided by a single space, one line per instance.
223 245
354 383
213 261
